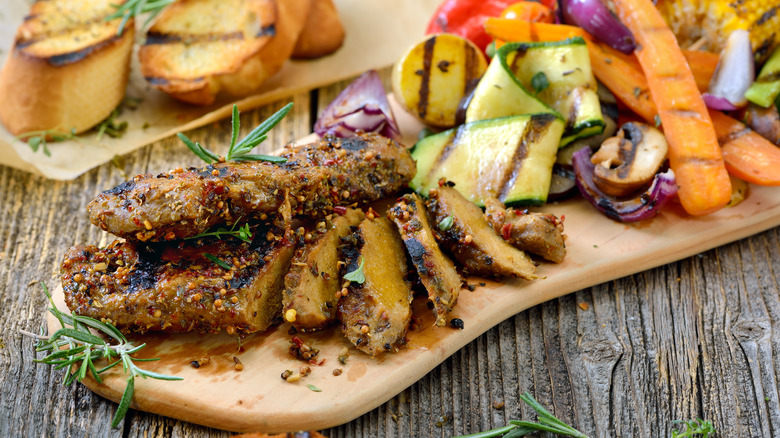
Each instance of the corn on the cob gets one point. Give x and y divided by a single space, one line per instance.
713 20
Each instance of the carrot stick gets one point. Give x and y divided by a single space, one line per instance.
694 153
748 155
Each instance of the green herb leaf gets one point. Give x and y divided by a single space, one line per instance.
74 349
446 223
217 260
540 82
693 427
239 150
657 120
36 139
313 388
357 275
135 8
244 233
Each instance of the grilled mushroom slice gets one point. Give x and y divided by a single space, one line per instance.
311 285
764 121
376 310
629 161
537 233
437 272
463 230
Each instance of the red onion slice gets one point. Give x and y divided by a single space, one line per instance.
361 107
599 21
733 75
644 206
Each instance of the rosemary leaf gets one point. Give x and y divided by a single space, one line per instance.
313 388
124 403
269 158
217 260
446 223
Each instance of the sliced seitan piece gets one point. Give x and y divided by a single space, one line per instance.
376 310
461 228
537 233
436 271
203 285
311 285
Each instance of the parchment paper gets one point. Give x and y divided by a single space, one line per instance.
377 33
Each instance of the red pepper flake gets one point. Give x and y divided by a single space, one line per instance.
506 231
340 210
583 306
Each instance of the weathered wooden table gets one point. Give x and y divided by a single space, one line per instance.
695 338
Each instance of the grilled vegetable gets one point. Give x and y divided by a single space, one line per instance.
694 154
764 121
537 233
436 271
432 77
714 20
376 310
748 156
471 240
510 158
766 88
733 75
596 19
541 77
629 161
311 285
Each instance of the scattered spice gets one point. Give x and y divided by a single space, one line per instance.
457 323
498 405
239 365
302 351
583 306
337 372
195 364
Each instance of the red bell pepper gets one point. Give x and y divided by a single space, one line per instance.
467 18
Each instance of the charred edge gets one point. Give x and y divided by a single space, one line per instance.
422 105
157 38
354 144
417 253
161 81
267 31
520 52
534 130
571 120
470 69
632 137
121 189
766 16
79 55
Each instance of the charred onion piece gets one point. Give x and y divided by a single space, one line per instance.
644 206
626 163
599 21
733 75
362 106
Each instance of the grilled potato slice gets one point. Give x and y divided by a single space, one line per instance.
322 33
199 48
436 271
463 230
68 68
375 314
311 285
434 75
537 233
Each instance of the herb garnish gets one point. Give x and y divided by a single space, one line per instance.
540 82
73 344
694 427
357 275
217 260
36 139
243 232
109 126
547 422
239 150
313 388
446 223
134 8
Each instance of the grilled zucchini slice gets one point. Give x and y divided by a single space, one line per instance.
509 158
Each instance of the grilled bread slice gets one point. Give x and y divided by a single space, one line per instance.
68 68
199 48
323 32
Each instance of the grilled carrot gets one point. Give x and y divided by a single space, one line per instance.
694 153
747 155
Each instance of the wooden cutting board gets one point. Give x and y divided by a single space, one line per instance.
257 399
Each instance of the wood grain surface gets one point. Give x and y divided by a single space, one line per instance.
694 338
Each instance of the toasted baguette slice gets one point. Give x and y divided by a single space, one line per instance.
68 68
322 33
199 48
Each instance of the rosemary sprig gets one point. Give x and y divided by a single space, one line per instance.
221 263
40 139
134 8
239 150
547 422
75 349
109 126
696 426
243 232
